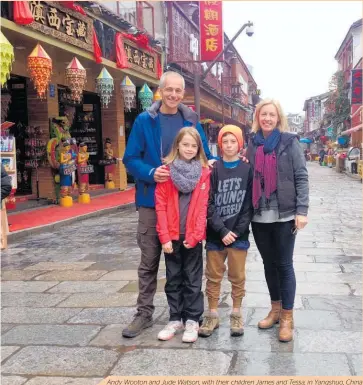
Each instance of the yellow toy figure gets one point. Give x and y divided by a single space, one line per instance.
66 168
110 164
83 174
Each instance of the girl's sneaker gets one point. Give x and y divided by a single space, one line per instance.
191 331
170 330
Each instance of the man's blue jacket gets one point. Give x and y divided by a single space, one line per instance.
143 151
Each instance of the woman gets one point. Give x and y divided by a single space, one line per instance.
280 197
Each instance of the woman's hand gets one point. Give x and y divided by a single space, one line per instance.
229 238
301 221
167 247
211 162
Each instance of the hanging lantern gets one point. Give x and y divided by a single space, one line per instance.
104 86
157 95
145 96
128 90
40 69
7 58
76 77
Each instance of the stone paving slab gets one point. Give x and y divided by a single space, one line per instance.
134 286
306 288
26 287
184 363
71 275
111 336
302 266
307 319
88 287
32 299
60 266
261 300
30 315
330 341
253 340
19 275
12 380
6 327
333 277
65 335
64 381
121 275
61 361
288 364
7 351
357 360
107 316
338 303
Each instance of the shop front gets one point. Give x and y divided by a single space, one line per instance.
100 118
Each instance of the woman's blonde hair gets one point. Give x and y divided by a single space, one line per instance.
282 120
174 153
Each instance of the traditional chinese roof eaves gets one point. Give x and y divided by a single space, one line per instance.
116 20
356 24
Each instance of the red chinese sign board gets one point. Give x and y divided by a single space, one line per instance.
211 29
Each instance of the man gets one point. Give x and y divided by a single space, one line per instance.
150 140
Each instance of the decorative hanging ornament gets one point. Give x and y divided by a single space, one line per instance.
145 96
104 86
6 57
40 69
128 90
76 77
157 95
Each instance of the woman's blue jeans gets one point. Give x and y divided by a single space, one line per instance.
275 242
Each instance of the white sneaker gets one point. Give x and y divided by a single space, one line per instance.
191 331
170 330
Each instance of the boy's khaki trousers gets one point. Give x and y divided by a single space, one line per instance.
236 260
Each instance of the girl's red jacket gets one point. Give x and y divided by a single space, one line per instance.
167 211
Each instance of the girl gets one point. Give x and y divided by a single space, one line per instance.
181 210
280 197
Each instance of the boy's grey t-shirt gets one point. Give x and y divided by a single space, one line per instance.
170 125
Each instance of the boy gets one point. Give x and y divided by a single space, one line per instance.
230 212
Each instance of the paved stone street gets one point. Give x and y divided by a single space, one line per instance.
67 295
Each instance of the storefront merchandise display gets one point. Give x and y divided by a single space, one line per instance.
104 87
76 77
145 96
67 167
109 162
128 90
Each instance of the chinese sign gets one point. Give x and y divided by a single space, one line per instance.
211 30
139 58
62 23
357 86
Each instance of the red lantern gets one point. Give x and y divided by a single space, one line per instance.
40 69
76 77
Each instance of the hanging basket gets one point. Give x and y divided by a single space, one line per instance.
40 70
76 77
6 57
145 96
128 90
104 87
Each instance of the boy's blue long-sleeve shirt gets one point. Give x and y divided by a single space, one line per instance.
143 154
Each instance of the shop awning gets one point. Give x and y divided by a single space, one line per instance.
351 130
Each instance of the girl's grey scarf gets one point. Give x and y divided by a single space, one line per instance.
185 175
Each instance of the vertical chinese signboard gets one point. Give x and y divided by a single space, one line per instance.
357 86
211 29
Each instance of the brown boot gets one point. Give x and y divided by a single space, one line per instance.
273 316
286 325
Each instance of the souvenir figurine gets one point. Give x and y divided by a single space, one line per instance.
110 164
83 174
66 169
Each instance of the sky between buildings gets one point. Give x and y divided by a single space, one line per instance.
292 50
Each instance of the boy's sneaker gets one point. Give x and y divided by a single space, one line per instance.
210 323
191 331
236 325
170 330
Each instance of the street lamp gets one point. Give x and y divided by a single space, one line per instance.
198 78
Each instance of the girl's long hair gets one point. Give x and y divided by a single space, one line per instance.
174 153
282 122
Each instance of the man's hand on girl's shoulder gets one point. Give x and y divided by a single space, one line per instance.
161 174
211 162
